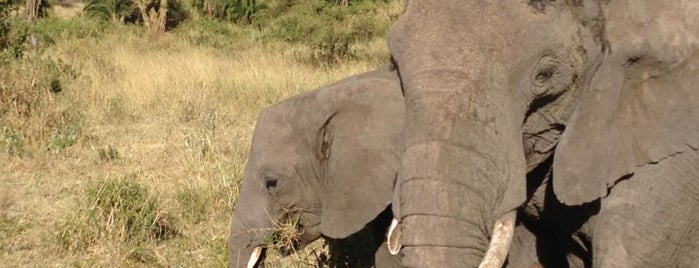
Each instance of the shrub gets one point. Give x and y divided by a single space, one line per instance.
209 32
330 30
10 142
127 11
236 11
119 11
61 139
118 209
7 8
34 116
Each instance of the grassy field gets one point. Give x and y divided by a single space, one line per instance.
121 150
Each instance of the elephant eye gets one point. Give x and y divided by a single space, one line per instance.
544 71
271 184
544 74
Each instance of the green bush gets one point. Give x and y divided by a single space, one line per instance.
119 11
118 209
236 11
329 29
64 138
211 33
11 143
7 8
50 30
126 11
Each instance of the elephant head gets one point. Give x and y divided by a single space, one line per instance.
493 88
326 158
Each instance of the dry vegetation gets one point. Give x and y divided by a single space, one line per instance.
122 150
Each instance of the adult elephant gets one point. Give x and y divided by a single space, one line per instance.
609 89
326 161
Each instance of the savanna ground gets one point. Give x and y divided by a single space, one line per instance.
123 149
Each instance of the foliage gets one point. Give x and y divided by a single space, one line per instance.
208 32
137 11
50 30
119 11
28 88
118 209
8 21
236 11
11 143
62 139
328 28
18 40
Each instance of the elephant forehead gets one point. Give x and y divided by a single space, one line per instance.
476 32
276 145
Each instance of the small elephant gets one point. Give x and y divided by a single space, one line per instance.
326 159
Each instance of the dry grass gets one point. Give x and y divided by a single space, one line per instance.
161 115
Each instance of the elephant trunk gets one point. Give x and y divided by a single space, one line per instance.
246 244
463 151
251 228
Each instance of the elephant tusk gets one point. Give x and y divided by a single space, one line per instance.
393 238
499 247
254 257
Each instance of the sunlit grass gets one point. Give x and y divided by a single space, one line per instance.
167 121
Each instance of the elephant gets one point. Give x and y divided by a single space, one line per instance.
595 100
326 159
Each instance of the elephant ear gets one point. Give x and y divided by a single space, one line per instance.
641 108
360 146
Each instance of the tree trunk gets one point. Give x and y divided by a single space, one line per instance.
208 8
33 9
154 20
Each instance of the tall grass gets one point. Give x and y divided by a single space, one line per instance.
107 135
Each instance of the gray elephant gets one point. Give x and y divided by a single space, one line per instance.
598 101
328 159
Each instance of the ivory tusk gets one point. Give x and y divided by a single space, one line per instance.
499 247
393 238
254 257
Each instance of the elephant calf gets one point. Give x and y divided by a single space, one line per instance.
326 159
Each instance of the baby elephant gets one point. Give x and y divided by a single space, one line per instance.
326 161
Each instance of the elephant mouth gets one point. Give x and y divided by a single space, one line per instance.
287 236
287 244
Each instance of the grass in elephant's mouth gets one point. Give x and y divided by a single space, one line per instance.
285 242
287 233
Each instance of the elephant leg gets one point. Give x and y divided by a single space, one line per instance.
651 219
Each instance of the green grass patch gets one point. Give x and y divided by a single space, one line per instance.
64 138
10 142
117 209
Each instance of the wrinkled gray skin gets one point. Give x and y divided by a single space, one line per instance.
602 94
329 158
